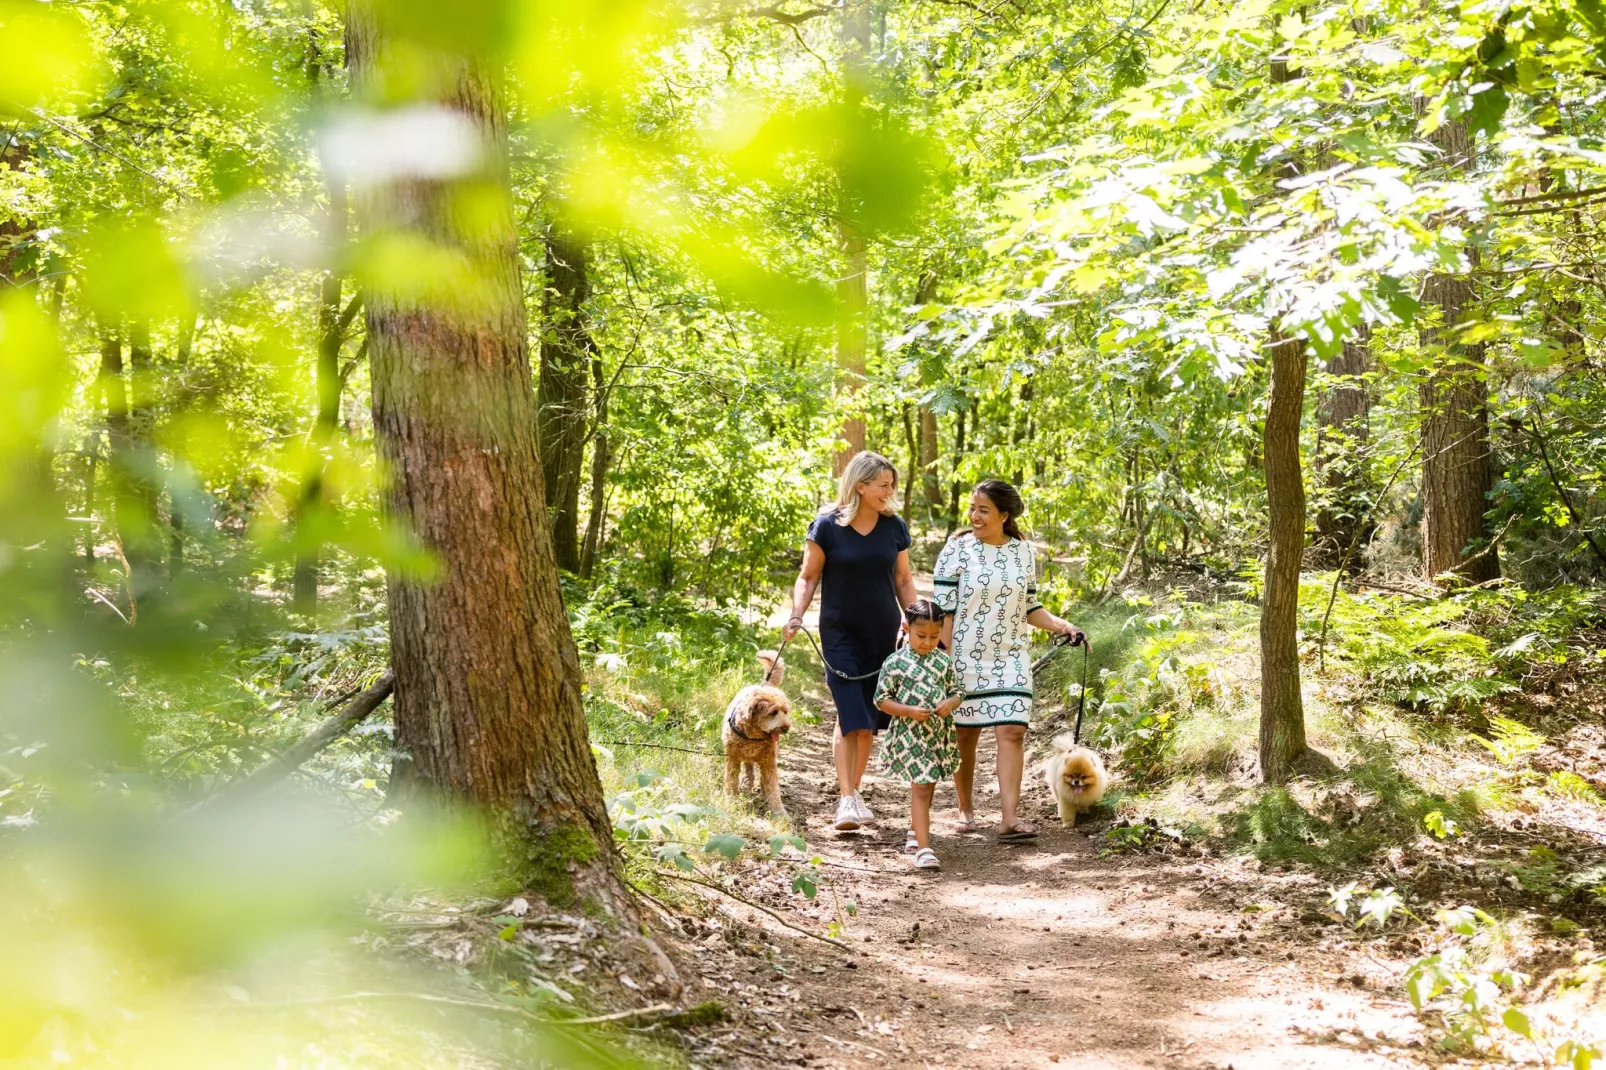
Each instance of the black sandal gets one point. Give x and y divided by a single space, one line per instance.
1017 835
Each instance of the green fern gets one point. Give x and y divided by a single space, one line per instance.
1512 740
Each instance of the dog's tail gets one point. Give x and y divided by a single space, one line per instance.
772 664
1064 743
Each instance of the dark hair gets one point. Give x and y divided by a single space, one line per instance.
924 609
1006 499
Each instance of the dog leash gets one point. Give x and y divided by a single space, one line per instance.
1059 642
832 669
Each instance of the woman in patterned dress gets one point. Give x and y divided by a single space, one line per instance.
987 578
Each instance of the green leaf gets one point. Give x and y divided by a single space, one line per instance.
1517 1022
724 844
806 882
780 843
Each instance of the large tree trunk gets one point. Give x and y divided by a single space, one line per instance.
487 701
1344 521
566 349
1456 473
1282 710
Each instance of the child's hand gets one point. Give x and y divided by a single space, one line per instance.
949 706
918 714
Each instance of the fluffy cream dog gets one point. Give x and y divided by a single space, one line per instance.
1076 777
755 720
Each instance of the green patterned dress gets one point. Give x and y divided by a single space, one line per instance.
920 752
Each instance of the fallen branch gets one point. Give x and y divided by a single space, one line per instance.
300 752
748 902
657 1010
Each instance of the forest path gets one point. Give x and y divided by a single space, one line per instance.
1054 954
1048 954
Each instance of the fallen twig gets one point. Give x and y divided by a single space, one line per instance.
657 1010
748 902
326 733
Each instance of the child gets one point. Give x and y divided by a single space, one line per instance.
919 689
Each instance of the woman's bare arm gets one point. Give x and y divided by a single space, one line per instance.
903 581
808 578
1042 618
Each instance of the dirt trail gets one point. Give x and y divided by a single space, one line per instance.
1048 954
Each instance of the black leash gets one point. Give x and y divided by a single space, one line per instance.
832 669
1081 698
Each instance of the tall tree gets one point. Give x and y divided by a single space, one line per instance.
1342 412
1456 471
852 287
927 436
331 336
1282 707
601 459
487 700
566 352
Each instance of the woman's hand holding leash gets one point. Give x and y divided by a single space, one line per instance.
792 627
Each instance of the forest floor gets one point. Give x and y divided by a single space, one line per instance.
1051 954
1076 950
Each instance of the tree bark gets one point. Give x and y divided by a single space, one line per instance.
601 458
953 487
1282 710
852 289
566 349
1456 473
487 701
329 383
1341 440
130 520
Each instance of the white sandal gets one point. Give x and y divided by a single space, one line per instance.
911 843
926 858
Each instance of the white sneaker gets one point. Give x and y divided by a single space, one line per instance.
847 815
866 814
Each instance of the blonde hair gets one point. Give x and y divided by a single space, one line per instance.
864 467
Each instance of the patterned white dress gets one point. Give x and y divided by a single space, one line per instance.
990 590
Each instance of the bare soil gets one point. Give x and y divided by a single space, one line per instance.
1053 953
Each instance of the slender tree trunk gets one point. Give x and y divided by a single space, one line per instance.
930 483
852 333
1456 473
953 487
1282 710
128 518
487 701
913 445
566 349
180 492
852 288
601 458
326 424
1341 440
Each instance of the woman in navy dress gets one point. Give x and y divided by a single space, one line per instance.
857 553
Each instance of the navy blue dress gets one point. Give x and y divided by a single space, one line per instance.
859 611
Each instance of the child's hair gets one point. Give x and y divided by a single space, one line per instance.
924 609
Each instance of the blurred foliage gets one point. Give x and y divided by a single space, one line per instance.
1079 224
